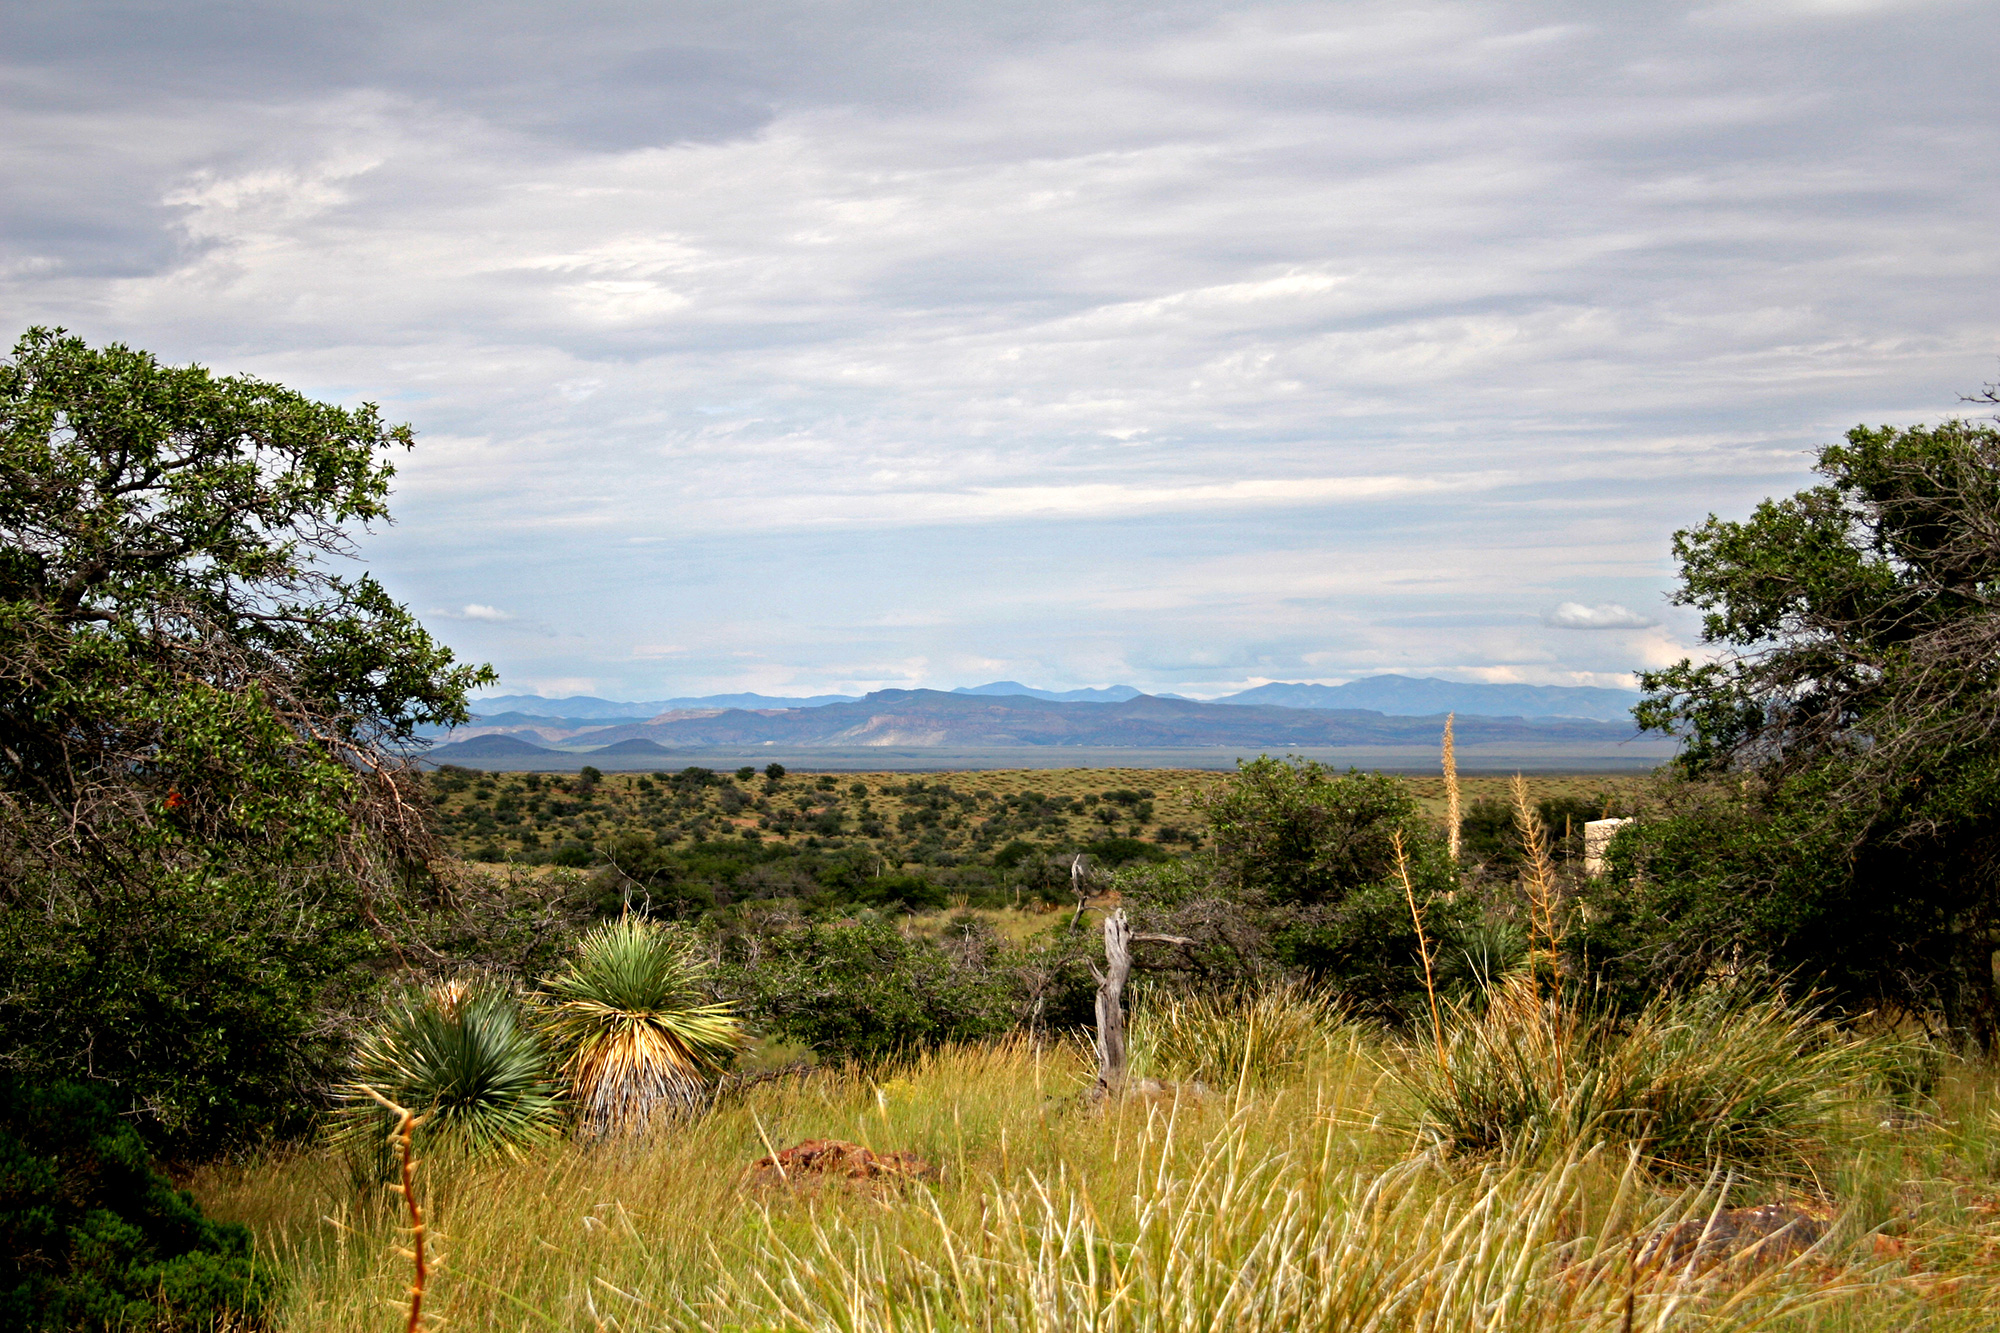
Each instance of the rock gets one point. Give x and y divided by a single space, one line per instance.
819 1160
1770 1233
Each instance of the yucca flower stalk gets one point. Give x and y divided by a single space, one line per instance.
463 1058
629 1018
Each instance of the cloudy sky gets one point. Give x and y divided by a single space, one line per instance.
811 346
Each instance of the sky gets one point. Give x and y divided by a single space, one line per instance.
823 347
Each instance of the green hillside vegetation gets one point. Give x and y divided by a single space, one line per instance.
973 833
940 820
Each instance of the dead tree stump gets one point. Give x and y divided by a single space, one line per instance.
1111 1004
1118 941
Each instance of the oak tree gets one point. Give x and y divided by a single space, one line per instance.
203 723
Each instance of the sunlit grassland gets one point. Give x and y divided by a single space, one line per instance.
1296 1197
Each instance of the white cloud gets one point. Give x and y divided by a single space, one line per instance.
1166 339
1605 615
475 611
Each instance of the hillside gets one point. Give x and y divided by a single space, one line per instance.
951 819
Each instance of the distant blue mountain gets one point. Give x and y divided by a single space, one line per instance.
1411 696
1110 694
933 718
1395 696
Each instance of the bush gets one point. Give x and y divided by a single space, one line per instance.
197 1001
1013 854
91 1236
574 856
864 991
1701 1080
1304 878
1295 833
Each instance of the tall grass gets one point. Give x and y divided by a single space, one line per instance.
1252 1038
1292 1205
1699 1082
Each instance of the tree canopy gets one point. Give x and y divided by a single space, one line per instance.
1843 776
202 719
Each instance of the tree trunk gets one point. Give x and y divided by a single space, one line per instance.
1111 1004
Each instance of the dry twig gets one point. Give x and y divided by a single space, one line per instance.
406 1128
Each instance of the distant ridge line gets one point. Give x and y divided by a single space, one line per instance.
1391 695
935 718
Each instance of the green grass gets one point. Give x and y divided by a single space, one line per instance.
1284 1202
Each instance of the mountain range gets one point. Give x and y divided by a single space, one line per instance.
923 718
1396 696
1409 696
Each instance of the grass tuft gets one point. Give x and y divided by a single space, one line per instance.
1708 1081
1254 1038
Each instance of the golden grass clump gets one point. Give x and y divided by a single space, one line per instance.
1698 1082
1250 1038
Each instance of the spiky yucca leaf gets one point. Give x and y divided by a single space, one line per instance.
630 1020
464 1058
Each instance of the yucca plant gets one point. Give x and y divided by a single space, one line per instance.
636 1036
462 1056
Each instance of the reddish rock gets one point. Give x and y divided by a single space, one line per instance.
835 1159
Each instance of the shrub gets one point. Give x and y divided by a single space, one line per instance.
574 856
1118 851
863 991
1297 834
462 1056
1701 1080
1013 854
636 1032
91 1236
